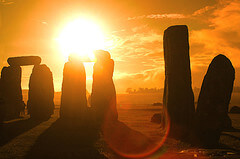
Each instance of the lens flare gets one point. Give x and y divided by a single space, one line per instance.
129 143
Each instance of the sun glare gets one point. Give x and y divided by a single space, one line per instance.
80 38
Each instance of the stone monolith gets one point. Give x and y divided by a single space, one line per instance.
41 93
73 99
11 92
103 97
178 95
213 102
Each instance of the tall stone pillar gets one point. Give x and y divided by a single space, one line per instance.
213 102
11 92
2 104
178 95
73 99
41 93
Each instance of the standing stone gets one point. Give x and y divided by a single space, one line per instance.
103 97
213 102
41 93
178 95
2 105
11 92
73 99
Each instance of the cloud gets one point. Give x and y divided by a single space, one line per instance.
224 33
147 78
203 10
159 16
139 53
222 37
137 43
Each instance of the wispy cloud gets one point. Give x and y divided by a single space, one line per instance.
159 16
203 10
141 53
224 34
147 78
138 58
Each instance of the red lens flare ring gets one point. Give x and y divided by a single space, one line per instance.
129 143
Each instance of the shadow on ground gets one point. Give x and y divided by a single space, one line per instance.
10 130
64 140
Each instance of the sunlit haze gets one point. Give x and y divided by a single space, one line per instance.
132 31
80 38
120 79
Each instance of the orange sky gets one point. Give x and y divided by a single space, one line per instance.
134 29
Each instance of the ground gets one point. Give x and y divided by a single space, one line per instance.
55 139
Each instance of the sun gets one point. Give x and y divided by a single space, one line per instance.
80 38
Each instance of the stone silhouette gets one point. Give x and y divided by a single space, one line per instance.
103 97
24 60
156 118
2 105
11 103
41 93
213 102
11 92
73 99
178 95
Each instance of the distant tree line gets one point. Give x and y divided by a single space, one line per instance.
144 90
141 90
